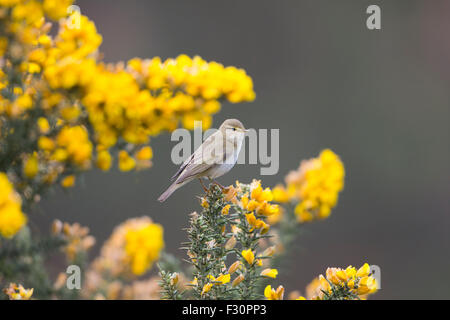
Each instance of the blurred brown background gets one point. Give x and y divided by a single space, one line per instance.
379 99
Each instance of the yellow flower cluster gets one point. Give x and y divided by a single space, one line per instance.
131 250
190 87
147 289
221 279
128 253
146 97
358 282
73 111
272 294
255 200
313 289
73 145
315 185
12 219
18 292
143 246
259 200
77 237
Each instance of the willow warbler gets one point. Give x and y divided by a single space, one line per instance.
215 157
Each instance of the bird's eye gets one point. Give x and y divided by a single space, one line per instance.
234 129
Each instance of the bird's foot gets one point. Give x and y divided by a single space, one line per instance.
203 186
219 185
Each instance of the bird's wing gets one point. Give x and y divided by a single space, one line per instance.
193 158
185 163
206 156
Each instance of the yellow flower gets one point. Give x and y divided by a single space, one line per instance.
12 219
204 203
206 288
248 256
316 185
244 201
31 166
272 294
271 273
44 126
18 292
226 209
280 194
174 279
3 45
267 209
264 227
59 154
68 181
70 113
104 160
331 275
366 285
342 275
194 282
24 101
357 282
56 9
351 284
144 153
276 217
363 271
259 200
261 195
252 205
126 163
46 143
143 246
257 223
324 284
211 106
350 271
75 141
223 278
77 238
303 213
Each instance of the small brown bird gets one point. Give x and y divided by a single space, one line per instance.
215 157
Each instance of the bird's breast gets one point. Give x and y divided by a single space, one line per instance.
220 169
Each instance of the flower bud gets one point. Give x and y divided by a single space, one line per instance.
174 279
230 243
234 267
57 226
271 273
238 280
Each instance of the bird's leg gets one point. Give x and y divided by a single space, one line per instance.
203 186
217 184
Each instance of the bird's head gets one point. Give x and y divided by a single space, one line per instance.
233 128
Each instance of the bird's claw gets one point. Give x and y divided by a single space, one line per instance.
203 186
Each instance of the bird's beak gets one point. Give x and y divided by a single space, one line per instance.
246 130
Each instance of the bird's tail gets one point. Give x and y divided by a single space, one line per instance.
174 186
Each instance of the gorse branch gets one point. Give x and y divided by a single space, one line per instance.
169 285
227 230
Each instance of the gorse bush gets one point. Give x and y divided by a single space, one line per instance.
234 227
63 111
